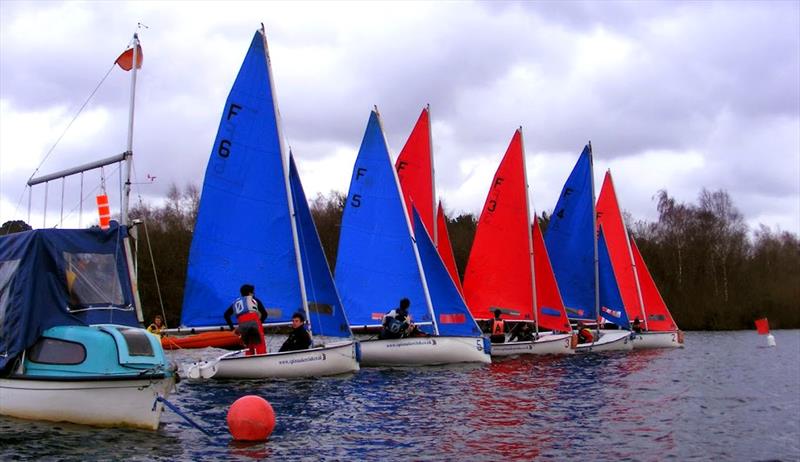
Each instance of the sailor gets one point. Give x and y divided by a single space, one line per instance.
498 328
637 325
157 326
584 334
250 314
397 322
298 339
523 332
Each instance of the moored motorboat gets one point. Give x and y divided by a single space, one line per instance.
104 375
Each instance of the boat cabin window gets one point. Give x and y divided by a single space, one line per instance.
55 351
7 271
92 279
138 342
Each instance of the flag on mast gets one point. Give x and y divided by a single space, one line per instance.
125 60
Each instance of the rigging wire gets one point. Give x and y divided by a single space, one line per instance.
63 133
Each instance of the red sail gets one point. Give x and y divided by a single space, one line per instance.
498 273
415 170
658 316
616 236
549 305
445 249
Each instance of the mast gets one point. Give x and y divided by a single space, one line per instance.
411 234
434 231
630 254
285 166
594 239
530 237
129 151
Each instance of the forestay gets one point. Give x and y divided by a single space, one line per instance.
452 315
325 310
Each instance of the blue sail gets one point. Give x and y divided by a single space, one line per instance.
611 306
570 240
452 315
325 310
243 231
376 265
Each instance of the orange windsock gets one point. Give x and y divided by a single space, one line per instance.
104 211
125 60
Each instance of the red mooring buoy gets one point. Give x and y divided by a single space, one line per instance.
251 418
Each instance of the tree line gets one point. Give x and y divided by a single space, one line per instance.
713 272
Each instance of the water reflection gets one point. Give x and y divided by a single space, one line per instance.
643 405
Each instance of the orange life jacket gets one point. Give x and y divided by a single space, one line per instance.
586 334
498 327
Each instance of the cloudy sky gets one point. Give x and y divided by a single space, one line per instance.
673 95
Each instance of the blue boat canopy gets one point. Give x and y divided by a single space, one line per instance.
61 277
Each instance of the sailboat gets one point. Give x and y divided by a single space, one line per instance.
639 292
254 226
500 274
580 260
382 260
71 344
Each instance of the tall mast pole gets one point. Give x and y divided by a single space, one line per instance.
129 151
594 239
434 231
530 237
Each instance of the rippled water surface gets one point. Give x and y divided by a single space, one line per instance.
724 396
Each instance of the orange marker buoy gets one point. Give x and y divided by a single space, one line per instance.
251 418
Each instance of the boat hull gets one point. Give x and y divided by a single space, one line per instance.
608 341
670 339
113 403
221 339
423 351
332 359
557 344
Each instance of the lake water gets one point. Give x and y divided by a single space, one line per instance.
724 397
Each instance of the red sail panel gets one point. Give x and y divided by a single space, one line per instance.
616 236
762 326
414 168
549 304
446 249
658 316
498 273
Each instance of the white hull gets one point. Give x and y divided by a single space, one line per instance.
423 351
555 344
610 340
123 403
671 339
332 359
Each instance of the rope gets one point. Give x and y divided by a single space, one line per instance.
185 417
83 106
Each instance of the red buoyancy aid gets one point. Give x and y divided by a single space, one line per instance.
586 335
498 327
261 347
